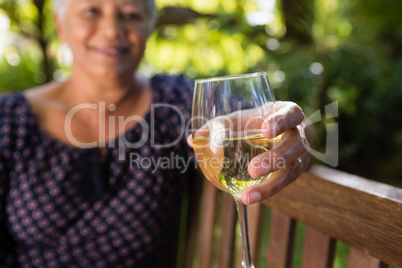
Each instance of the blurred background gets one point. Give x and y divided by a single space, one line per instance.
316 52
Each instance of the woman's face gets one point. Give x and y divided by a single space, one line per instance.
107 37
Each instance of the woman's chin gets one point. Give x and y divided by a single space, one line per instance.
103 71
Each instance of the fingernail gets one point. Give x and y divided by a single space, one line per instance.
259 172
254 197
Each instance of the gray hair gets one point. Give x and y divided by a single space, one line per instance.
59 7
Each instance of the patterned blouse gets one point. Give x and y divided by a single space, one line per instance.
60 207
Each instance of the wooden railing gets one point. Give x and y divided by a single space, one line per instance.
364 214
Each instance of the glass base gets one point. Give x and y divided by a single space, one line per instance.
244 266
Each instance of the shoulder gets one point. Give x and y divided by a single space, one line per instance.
168 81
20 103
176 91
16 118
11 105
10 99
173 86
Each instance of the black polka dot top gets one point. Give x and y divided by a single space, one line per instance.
61 207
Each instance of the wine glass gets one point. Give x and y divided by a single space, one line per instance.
227 132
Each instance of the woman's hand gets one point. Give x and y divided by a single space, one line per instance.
286 160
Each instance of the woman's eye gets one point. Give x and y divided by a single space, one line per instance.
131 16
91 12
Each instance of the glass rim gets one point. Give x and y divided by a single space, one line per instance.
230 77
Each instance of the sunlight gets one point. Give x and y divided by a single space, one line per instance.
273 44
4 23
4 26
331 5
316 68
13 58
264 15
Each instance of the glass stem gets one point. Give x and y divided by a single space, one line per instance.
245 242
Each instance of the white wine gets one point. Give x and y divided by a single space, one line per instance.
226 164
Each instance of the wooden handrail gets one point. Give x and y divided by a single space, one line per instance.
364 214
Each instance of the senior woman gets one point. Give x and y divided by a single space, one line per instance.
74 187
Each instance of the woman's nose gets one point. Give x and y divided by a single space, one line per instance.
112 27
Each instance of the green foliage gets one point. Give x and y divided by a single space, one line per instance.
24 75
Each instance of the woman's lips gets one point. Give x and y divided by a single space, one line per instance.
113 52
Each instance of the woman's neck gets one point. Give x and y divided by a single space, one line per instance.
84 89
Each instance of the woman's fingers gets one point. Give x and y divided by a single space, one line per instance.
277 181
190 140
287 116
286 151
285 161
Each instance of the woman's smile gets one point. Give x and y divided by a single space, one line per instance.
111 51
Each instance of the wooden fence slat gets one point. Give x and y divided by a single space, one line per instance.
194 197
358 259
228 232
281 237
318 249
209 198
256 217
